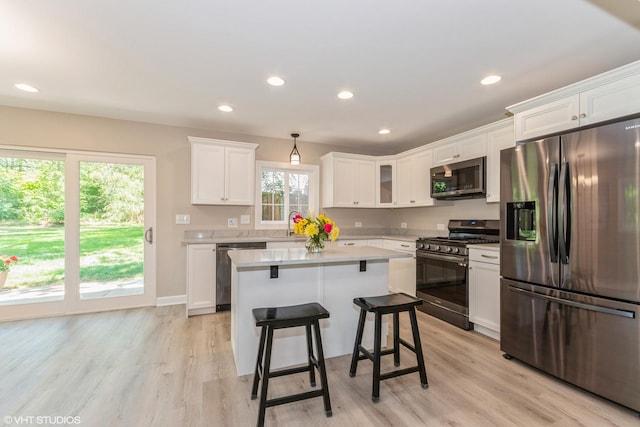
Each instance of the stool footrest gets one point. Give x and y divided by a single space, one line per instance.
399 372
366 354
293 398
406 344
289 371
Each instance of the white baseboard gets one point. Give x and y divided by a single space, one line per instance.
172 300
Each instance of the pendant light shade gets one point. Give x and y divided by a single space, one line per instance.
294 157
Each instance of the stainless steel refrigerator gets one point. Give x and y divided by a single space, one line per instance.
570 257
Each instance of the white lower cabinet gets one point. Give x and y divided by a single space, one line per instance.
402 271
201 279
484 290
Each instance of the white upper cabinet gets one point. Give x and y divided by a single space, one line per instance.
413 176
458 148
497 140
348 181
222 172
603 97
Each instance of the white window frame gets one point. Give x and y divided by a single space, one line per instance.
314 191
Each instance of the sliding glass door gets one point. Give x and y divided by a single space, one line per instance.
81 228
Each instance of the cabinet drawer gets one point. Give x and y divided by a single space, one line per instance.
353 242
401 245
491 256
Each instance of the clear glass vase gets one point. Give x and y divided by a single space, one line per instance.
314 246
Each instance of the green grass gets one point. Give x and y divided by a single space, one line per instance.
107 253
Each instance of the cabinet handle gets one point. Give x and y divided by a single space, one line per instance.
412 201
349 244
583 115
574 117
456 156
488 256
405 246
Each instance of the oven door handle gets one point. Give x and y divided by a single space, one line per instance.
462 261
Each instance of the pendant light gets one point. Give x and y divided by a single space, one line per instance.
294 157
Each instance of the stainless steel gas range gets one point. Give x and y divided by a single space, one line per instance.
442 279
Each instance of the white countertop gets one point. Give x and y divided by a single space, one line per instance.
300 256
208 238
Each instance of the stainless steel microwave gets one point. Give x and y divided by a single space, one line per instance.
460 180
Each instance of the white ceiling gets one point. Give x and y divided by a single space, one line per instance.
414 65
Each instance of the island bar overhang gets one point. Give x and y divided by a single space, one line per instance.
332 278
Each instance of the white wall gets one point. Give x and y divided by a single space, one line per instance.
169 145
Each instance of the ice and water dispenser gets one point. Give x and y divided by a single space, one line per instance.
521 221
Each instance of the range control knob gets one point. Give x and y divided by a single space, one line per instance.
449 250
427 246
436 248
456 250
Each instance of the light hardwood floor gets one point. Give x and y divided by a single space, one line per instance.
153 367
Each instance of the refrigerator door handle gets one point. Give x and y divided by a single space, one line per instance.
564 220
552 216
599 309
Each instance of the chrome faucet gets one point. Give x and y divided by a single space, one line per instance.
289 222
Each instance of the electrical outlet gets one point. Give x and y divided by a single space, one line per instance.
244 219
440 226
403 225
183 219
232 222
358 224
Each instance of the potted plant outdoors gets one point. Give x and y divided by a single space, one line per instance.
5 263
317 229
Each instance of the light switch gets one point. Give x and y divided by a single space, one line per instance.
183 219
244 219
232 222
358 224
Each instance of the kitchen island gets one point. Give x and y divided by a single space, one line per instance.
279 277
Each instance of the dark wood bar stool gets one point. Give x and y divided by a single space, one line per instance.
273 318
380 305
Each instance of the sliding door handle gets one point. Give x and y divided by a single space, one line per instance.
148 235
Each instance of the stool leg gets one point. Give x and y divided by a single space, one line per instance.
396 338
265 376
375 395
323 370
418 345
312 370
356 347
259 362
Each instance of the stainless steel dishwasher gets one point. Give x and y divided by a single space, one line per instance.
223 270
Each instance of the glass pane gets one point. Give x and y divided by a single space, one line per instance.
386 184
272 183
111 229
31 230
299 192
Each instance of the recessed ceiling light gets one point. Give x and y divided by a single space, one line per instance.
489 80
25 87
384 131
275 81
345 94
225 108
